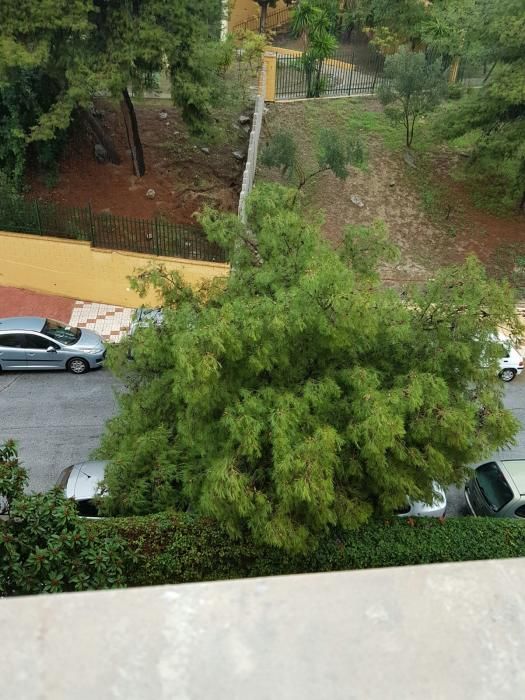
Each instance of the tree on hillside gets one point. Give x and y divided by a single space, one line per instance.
72 51
334 153
497 110
44 75
401 20
263 12
412 88
300 393
44 545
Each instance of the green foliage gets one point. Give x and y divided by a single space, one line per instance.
365 247
171 548
402 18
412 88
299 393
455 27
281 152
497 110
334 153
314 21
44 546
56 56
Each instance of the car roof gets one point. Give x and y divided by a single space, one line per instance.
516 469
84 479
22 323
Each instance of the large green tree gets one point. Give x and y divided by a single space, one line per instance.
497 110
300 393
76 49
412 88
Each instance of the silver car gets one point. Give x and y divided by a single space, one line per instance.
81 482
497 489
30 342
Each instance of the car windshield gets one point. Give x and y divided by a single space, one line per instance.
493 485
68 335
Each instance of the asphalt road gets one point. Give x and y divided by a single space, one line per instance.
56 418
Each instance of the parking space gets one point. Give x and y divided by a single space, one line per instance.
56 418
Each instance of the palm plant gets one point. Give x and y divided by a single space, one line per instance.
314 23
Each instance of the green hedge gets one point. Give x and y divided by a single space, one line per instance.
170 548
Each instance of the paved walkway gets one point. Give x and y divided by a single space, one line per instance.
111 322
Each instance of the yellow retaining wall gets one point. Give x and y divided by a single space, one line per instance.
75 269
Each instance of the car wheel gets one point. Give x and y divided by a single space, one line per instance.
507 374
77 365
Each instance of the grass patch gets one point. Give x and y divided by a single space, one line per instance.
355 116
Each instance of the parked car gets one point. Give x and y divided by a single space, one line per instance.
511 363
31 342
81 482
418 509
145 317
497 489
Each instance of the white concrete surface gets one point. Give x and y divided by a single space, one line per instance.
444 631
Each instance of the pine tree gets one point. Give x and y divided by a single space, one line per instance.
299 393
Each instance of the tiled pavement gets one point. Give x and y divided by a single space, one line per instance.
111 322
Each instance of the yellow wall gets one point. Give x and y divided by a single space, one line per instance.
75 269
246 9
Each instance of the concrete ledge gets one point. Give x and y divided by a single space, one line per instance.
443 631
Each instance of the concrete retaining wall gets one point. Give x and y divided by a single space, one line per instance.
75 269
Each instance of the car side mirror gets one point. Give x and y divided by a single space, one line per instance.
51 349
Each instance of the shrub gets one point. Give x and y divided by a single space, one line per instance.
173 548
44 546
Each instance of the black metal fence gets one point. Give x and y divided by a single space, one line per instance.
150 236
274 20
338 75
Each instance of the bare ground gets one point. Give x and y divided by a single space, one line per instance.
439 229
184 177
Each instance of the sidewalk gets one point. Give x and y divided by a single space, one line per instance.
111 322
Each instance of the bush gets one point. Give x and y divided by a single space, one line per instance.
172 548
44 546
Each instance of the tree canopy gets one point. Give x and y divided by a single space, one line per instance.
334 153
412 88
300 393
55 56
496 112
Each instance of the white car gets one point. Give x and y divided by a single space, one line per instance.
418 509
81 482
512 362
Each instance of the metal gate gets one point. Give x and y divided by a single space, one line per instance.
336 76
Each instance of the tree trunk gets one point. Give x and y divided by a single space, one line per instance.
522 203
454 70
132 132
104 138
262 19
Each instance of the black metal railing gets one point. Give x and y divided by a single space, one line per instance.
151 236
274 20
341 74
